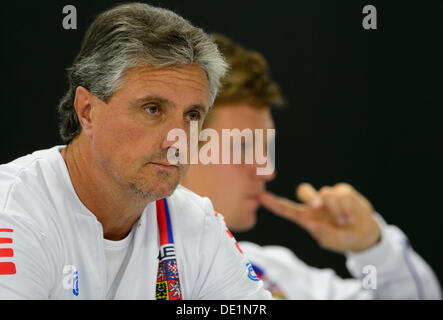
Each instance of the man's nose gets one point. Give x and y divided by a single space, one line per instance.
174 133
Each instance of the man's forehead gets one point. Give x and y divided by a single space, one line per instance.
185 72
141 82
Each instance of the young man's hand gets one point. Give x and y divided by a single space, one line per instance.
338 217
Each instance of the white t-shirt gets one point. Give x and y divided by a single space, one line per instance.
116 257
389 270
56 248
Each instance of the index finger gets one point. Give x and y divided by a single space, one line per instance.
282 206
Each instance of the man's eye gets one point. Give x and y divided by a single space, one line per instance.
194 116
152 110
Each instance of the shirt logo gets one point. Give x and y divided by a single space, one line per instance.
75 284
70 279
168 280
6 267
251 273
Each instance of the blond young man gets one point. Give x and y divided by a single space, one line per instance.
338 217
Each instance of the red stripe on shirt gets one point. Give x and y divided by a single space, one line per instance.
238 247
5 240
6 230
6 252
161 220
7 268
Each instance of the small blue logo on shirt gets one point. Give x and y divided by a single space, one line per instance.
251 273
70 278
75 284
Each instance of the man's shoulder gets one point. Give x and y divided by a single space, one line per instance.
257 249
188 199
24 181
190 210
26 165
269 255
10 172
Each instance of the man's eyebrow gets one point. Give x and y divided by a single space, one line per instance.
146 99
161 100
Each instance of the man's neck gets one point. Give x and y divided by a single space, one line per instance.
116 209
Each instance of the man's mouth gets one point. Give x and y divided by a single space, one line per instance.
164 165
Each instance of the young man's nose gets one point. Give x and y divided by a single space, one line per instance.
264 177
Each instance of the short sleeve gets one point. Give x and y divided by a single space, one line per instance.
24 261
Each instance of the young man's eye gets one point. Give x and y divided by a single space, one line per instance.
245 146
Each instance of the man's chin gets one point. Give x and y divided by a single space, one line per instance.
156 192
153 183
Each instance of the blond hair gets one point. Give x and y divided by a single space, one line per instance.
248 78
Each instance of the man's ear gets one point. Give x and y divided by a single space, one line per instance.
83 107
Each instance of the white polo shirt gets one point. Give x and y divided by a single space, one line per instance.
389 270
54 247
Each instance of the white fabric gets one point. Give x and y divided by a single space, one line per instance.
400 272
116 253
57 241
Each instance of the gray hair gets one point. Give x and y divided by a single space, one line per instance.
132 35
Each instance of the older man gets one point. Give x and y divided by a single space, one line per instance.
338 217
101 217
